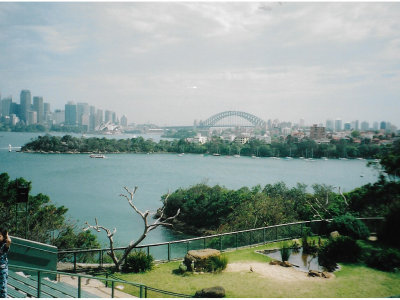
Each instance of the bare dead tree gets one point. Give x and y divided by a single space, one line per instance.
160 221
320 208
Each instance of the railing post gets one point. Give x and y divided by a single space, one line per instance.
74 262
169 251
141 291
106 280
79 286
264 235
236 235
39 284
148 250
112 289
145 291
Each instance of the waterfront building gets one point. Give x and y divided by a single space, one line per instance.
6 106
383 125
38 106
364 126
375 126
317 132
25 105
71 114
338 125
356 125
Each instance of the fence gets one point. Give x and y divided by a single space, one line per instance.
167 251
142 290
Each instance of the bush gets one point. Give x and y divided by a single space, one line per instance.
350 226
308 247
384 259
389 231
341 249
138 262
217 263
285 252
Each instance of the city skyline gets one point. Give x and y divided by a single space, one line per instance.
173 63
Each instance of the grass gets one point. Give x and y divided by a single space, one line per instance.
351 281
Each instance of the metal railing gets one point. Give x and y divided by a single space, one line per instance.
167 251
142 289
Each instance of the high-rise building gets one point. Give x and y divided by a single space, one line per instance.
6 106
71 114
14 109
92 118
59 116
338 125
317 132
82 109
347 126
383 125
375 125
99 117
302 123
47 111
364 126
32 117
108 116
329 125
356 125
39 108
25 104
124 121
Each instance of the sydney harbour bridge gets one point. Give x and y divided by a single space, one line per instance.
228 119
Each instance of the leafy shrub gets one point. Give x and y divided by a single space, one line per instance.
308 247
138 262
217 263
341 249
285 253
350 226
384 259
389 231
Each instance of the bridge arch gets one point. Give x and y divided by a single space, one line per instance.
213 120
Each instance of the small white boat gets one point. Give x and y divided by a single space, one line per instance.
181 154
324 158
288 157
9 147
97 156
217 154
342 158
236 155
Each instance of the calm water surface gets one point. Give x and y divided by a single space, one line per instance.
90 188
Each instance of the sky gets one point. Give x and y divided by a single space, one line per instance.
171 63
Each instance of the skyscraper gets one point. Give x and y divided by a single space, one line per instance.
329 125
124 121
47 111
83 112
375 126
6 106
25 105
338 125
108 116
347 126
71 114
364 126
39 108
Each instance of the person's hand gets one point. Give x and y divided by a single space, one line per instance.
8 240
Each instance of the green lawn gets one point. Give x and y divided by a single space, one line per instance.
351 281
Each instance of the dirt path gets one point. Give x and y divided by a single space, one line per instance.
271 272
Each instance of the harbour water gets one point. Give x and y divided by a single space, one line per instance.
90 188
